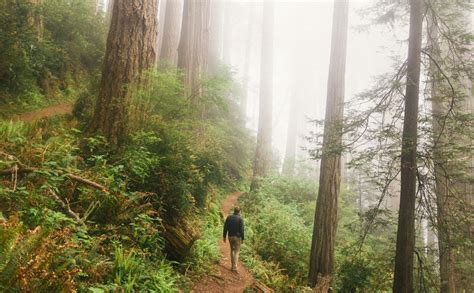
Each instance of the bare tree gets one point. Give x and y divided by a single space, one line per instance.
131 49
325 218
263 153
403 279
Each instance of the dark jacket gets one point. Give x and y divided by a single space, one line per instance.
234 226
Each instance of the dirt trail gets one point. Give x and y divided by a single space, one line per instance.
221 279
50 111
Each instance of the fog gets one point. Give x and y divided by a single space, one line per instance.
302 40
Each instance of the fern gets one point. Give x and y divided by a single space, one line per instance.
17 249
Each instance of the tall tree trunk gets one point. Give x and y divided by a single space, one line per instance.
131 49
216 35
193 45
161 24
453 161
442 189
171 32
403 279
263 153
291 136
248 52
325 218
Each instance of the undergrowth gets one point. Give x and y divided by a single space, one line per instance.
279 220
78 215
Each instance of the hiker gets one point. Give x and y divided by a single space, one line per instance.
234 227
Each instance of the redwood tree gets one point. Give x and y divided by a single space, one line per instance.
325 219
131 49
171 31
403 279
263 153
193 45
216 35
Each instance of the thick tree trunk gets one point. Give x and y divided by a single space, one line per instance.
131 49
171 32
325 218
216 35
403 279
263 154
193 45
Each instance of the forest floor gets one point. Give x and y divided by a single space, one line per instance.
221 278
49 111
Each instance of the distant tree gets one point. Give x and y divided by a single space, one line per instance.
263 153
131 49
216 35
193 45
325 219
227 39
288 168
248 51
403 279
452 111
171 32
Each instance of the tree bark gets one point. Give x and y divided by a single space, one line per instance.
403 279
131 49
171 32
263 153
325 218
193 46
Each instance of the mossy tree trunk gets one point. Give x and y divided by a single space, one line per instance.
131 50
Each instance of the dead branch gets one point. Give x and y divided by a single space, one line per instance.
65 206
22 170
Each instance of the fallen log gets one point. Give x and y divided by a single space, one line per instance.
23 170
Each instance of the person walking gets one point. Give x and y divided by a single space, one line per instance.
234 228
